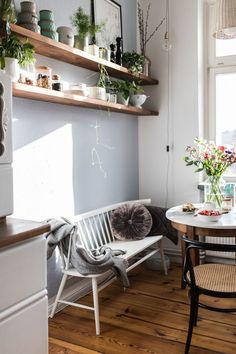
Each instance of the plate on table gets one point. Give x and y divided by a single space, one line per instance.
209 215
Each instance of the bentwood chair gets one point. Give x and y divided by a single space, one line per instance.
212 279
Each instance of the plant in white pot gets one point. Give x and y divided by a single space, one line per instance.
85 29
137 96
14 53
123 91
99 91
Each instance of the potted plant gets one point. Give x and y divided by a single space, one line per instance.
133 61
123 91
14 53
85 28
99 91
137 97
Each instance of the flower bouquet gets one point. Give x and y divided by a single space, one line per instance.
214 160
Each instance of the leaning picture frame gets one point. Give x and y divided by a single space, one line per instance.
109 13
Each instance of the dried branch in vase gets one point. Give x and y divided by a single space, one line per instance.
143 27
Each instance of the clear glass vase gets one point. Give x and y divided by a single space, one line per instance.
214 191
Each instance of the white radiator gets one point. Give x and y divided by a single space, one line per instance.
226 240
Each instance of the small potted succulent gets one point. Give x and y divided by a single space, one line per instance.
13 54
85 29
137 97
133 61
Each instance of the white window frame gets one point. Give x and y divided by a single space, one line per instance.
216 66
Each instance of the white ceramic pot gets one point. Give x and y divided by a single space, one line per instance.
138 100
122 100
93 49
66 35
12 68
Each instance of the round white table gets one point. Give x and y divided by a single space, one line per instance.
188 224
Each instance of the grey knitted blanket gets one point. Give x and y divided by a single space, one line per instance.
94 262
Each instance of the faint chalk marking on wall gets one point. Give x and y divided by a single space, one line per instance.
96 159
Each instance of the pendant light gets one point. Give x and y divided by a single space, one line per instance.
225 19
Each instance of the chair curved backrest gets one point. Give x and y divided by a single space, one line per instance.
212 279
192 245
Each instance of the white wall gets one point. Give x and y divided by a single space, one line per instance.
155 133
53 171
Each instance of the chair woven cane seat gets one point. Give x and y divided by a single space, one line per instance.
216 277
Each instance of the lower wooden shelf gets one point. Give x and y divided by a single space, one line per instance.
42 94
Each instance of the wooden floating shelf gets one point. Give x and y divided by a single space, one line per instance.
42 94
50 48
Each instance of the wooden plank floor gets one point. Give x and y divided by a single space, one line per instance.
150 317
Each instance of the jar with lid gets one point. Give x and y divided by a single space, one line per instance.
44 76
103 53
56 83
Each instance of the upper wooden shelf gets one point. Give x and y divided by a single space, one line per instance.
42 94
50 48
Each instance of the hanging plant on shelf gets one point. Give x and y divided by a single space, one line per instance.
104 78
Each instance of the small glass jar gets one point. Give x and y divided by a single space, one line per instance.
103 53
227 203
44 76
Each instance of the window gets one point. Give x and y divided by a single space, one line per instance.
222 88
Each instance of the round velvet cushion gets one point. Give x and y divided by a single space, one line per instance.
131 222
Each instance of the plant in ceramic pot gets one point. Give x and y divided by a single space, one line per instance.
85 28
99 91
133 61
137 96
123 91
14 53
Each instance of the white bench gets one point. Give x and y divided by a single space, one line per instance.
94 229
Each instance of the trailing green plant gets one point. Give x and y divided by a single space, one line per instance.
104 78
133 61
12 47
82 22
8 11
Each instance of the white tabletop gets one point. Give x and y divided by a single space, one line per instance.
227 221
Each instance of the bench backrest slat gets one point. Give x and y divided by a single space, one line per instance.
102 229
94 227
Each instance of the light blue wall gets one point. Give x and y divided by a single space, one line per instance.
56 177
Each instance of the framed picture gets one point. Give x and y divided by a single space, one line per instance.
109 13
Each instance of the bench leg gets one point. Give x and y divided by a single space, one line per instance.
163 258
96 305
60 290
